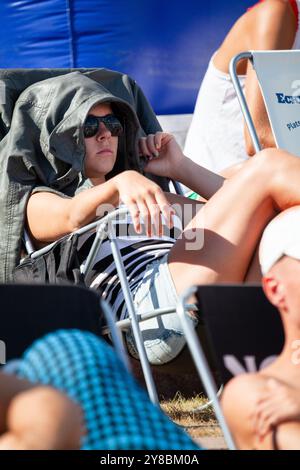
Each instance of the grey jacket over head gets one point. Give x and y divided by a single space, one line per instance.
45 148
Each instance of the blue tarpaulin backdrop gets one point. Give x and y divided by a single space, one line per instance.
165 45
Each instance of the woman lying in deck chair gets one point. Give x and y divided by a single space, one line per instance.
68 133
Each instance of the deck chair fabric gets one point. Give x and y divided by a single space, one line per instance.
31 311
278 74
244 329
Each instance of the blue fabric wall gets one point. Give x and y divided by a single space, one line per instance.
165 45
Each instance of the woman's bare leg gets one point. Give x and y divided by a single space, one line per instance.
185 208
55 424
233 219
254 272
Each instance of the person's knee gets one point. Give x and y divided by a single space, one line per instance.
160 349
265 158
44 418
163 338
271 158
270 166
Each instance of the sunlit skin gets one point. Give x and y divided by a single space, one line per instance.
270 25
256 403
37 417
101 150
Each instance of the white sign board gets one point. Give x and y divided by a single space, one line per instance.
279 77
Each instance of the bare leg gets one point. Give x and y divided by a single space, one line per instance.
254 272
56 422
232 170
185 208
233 220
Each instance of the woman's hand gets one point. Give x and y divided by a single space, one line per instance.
145 199
165 157
280 403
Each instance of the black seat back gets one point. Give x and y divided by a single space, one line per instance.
30 311
244 329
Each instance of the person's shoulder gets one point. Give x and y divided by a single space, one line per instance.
271 25
242 388
273 11
239 401
273 6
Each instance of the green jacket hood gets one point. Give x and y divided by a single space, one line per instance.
45 147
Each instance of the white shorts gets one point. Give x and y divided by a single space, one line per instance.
163 335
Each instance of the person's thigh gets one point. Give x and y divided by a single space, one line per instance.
218 244
254 274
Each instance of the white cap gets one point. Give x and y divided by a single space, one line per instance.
281 237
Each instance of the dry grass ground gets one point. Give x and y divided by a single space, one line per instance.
185 412
181 394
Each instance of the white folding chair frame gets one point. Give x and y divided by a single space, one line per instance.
202 365
241 97
278 74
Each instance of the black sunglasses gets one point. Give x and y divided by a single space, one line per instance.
111 122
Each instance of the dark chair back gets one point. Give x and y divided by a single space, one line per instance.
30 311
244 329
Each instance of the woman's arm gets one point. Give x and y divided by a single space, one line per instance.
50 216
185 208
272 26
166 159
245 404
199 179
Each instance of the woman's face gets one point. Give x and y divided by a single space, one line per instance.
101 149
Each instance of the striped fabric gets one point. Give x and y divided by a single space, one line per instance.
137 252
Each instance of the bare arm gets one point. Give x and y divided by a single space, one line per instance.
237 409
269 25
185 208
272 26
166 159
241 404
288 436
50 216
199 179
